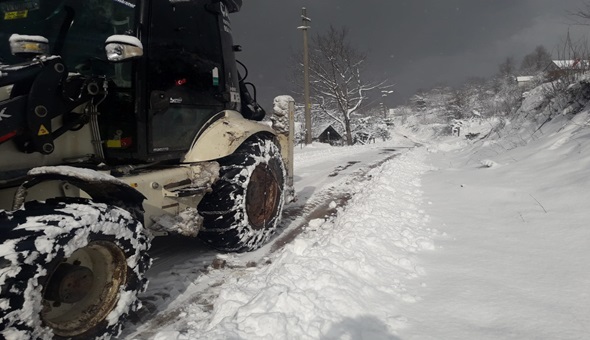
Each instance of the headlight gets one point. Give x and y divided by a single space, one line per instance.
123 47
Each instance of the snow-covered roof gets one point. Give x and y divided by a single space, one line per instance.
570 64
318 130
522 79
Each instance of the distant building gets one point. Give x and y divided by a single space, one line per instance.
525 81
560 68
329 135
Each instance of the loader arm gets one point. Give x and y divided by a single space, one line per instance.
39 92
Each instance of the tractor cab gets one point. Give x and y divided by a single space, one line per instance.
169 70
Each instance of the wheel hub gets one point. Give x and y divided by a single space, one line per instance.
70 283
84 288
262 198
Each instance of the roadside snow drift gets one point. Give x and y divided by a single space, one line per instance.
454 239
515 264
340 279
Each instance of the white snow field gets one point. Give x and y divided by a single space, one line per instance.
415 238
449 240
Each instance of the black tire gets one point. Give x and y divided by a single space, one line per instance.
70 269
244 207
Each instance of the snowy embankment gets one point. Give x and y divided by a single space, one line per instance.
340 278
515 265
456 239
515 209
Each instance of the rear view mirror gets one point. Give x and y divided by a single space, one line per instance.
123 47
28 45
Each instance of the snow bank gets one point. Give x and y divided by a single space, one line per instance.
512 263
341 278
515 263
280 118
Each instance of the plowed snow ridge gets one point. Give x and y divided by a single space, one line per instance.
339 278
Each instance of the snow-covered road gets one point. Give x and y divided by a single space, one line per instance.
342 277
183 271
443 241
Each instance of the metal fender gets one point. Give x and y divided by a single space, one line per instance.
102 188
222 136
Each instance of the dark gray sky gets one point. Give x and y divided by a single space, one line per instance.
413 43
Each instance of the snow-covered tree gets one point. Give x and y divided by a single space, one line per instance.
400 114
369 127
336 75
506 98
436 105
535 62
507 68
320 119
474 94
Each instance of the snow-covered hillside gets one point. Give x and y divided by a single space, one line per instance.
451 239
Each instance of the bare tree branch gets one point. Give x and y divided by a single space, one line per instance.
336 69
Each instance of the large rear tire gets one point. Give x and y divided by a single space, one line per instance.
70 270
244 207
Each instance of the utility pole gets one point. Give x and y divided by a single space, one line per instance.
384 94
304 27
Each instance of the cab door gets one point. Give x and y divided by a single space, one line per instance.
185 72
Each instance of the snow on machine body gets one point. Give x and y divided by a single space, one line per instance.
119 121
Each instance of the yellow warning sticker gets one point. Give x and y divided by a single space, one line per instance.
42 131
32 47
114 143
16 15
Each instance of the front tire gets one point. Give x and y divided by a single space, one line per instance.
70 270
244 207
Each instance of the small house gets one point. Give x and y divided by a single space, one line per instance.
561 68
330 136
525 82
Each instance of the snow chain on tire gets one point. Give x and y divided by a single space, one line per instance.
244 206
69 269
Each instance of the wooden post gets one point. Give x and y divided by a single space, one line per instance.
304 27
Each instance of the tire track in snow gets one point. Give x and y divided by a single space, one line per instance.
325 204
190 262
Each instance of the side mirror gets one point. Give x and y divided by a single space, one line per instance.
28 45
123 47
